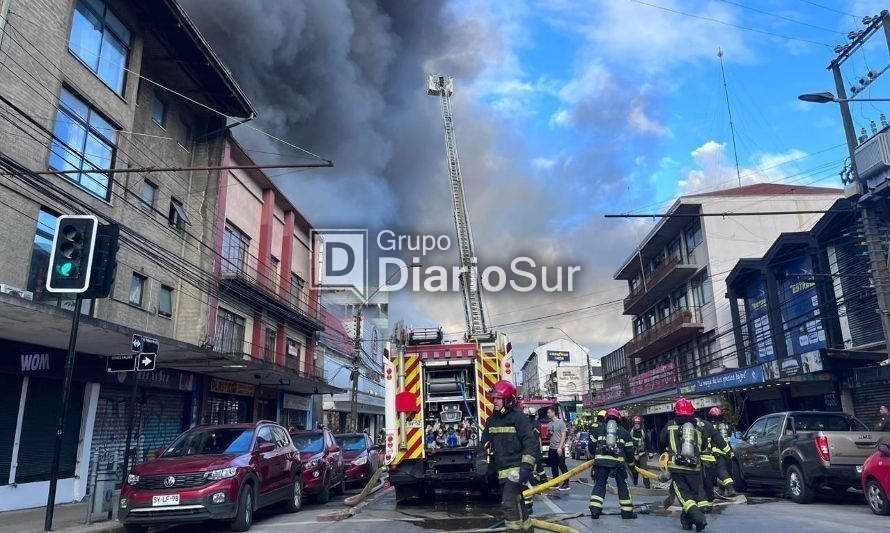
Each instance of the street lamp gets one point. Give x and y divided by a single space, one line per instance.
586 353
824 98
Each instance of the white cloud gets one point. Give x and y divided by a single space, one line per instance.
715 169
640 123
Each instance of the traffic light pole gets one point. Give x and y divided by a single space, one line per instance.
66 393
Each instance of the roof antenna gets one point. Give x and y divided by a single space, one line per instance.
735 151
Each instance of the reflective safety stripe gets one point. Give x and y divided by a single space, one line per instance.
503 429
527 524
687 504
726 481
596 505
530 459
705 504
626 505
619 458
505 473
595 498
513 525
708 458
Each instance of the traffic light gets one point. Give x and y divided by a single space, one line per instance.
104 265
71 259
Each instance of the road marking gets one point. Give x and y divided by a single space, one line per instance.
553 507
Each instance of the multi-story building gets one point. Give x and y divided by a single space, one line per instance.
540 370
344 310
679 322
94 85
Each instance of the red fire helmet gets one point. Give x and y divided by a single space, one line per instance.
637 420
613 414
503 389
684 407
715 412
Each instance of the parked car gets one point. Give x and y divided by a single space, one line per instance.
223 472
323 467
579 448
803 451
360 456
876 480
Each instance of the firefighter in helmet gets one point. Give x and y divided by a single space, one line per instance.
515 450
612 448
595 424
722 456
639 438
683 439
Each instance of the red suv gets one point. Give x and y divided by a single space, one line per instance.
360 455
221 472
323 469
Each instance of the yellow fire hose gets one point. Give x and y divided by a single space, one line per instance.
549 526
557 480
369 488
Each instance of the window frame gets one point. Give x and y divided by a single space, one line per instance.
90 132
148 184
159 103
177 218
237 240
142 282
270 349
107 30
169 289
237 324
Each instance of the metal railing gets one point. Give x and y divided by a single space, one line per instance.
667 325
653 279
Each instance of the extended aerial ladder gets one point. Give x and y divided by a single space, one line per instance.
443 87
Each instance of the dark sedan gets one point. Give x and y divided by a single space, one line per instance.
360 457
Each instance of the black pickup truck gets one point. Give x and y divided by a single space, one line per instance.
804 451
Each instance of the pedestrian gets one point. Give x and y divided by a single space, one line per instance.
539 476
556 456
612 449
639 438
884 422
509 437
654 446
683 440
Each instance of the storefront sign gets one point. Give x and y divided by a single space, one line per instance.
297 403
758 321
698 403
793 365
725 380
560 356
658 378
34 360
800 309
609 395
221 386
570 380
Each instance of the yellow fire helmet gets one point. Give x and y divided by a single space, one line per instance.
602 413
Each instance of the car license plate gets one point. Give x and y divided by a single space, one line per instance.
166 499
858 469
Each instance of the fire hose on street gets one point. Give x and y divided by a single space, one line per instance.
371 487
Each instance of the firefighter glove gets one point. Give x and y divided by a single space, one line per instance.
525 474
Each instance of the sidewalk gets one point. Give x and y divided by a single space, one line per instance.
67 517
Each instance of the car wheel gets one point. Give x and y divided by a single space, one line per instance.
877 498
325 495
244 518
737 478
797 486
341 487
296 496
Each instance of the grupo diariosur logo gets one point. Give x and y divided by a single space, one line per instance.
343 263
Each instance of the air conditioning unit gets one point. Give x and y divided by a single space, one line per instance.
15 291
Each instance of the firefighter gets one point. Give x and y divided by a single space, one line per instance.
612 448
639 438
683 440
509 436
538 476
722 456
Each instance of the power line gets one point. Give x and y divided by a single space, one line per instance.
782 17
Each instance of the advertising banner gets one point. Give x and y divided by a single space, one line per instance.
660 377
570 380
560 356
724 380
758 321
800 308
610 394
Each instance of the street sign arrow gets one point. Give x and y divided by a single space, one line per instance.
136 346
146 362
121 363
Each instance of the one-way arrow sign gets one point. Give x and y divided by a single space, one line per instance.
136 346
146 362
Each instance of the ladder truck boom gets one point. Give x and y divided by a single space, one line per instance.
443 87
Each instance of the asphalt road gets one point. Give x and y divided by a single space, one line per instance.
452 511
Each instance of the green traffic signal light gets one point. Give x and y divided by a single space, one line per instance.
66 269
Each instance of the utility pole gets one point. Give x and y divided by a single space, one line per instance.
868 211
356 366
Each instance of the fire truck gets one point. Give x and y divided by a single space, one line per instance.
436 404
536 408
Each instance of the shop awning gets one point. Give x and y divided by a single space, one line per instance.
363 408
25 321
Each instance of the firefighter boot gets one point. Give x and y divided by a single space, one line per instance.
729 490
595 513
685 522
628 515
700 524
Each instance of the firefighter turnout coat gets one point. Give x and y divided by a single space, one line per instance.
510 439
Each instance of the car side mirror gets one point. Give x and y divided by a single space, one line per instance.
265 447
884 448
374 448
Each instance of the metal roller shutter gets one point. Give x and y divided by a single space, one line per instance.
161 420
10 395
868 398
110 430
39 430
861 302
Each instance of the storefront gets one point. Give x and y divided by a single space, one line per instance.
30 393
228 402
295 411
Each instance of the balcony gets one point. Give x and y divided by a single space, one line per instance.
678 327
259 285
658 285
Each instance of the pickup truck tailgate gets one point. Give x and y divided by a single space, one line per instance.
852 447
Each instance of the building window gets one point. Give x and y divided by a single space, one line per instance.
186 140
177 216
101 41
701 289
693 236
294 359
43 242
159 111
83 141
165 302
137 286
234 251
149 192
229 333
296 290
273 272
269 347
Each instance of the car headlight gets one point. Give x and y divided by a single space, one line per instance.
132 479
222 473
361 460
315 463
